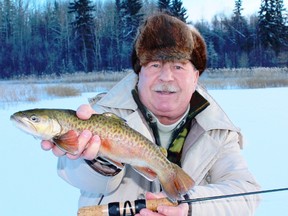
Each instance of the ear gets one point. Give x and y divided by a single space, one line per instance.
196 77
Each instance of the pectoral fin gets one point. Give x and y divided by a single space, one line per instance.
68 142
115 118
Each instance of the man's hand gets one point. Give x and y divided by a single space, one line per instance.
180 210
88 145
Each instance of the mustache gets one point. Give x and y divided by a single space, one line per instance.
165 87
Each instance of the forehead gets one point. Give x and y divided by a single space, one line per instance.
175 61
183 62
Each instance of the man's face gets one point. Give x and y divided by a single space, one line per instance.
166 88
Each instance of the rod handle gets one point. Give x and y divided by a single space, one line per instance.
119 208
154 203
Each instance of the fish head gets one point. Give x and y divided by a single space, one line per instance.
37 122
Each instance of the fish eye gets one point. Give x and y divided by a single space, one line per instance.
34 118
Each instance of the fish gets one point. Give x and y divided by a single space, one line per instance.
120 144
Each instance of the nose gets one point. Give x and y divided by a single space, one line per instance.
166 74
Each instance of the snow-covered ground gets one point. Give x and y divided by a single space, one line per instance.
29 184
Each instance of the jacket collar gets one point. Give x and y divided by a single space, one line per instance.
217 117
120 96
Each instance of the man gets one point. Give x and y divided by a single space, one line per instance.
163 101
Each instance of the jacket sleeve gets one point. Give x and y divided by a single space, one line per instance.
226 174
80 175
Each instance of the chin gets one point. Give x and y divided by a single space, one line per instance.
165 110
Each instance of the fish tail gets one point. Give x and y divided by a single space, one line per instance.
176 183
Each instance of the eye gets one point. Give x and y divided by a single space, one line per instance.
178 67
156 65
34 118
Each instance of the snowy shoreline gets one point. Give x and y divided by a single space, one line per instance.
29 179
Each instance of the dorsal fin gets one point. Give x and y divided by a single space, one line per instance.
114 116
163 151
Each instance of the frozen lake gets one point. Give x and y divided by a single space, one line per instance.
29 183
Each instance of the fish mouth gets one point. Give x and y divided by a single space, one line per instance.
16 119
22 124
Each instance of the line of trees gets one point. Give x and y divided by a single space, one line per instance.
258 40
85 35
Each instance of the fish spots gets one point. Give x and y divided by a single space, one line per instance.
89 128
104 130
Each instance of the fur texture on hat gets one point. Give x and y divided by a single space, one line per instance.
165 38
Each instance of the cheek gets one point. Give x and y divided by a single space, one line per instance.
144 82
143 88
188 87
191 81
141 85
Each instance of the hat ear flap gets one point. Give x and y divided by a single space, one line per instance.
135 61
199 53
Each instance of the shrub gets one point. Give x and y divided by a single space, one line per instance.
62 91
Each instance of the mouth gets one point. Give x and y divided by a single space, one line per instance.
165 89
165 92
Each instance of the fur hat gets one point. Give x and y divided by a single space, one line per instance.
166 38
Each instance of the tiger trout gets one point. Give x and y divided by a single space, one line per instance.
119 144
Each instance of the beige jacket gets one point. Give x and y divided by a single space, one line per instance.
211 156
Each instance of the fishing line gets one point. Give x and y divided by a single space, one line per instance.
231 195
139 205
127 208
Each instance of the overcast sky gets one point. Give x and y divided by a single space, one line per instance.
206 9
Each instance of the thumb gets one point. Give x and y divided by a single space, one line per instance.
85 111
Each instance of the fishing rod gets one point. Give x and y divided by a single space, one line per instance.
131 208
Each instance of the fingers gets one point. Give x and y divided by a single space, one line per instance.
47 146
150 196
147 212
57 151
85 111
181 209
83 141
88 147
92 148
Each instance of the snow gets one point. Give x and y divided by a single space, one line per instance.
29 183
